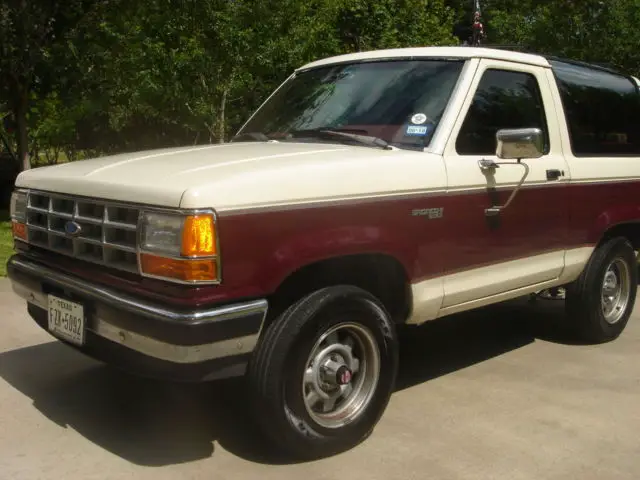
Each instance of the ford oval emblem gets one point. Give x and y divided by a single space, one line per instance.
72 228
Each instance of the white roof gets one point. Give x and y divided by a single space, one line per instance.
435 52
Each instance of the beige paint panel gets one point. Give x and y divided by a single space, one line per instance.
435 52
482 282
463 170
575 260
500 297
245 175
477 287
427 300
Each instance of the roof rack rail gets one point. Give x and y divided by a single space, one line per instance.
497 46
506 47
604 66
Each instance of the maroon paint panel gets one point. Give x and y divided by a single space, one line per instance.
260 249
534 223
597 207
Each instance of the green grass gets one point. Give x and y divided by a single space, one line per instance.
6 242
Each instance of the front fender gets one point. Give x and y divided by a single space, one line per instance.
260 250
310 247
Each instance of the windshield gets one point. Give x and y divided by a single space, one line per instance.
399 102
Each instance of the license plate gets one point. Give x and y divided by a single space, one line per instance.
66 320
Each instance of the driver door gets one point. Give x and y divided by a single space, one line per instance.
525 244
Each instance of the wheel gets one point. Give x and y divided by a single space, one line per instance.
324 371
600 302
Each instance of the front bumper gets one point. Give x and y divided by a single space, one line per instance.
144 338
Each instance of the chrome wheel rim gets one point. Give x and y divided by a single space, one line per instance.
341 375
616 289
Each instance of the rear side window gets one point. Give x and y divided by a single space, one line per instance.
503 99
602 110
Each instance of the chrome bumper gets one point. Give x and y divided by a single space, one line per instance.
181 337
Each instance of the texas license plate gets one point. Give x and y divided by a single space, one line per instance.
66 320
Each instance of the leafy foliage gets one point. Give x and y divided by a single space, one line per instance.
85 77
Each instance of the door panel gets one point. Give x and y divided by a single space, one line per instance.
533 229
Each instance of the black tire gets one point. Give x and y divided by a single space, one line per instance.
584 302
277 368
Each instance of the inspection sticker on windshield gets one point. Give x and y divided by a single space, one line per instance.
418 119
415 130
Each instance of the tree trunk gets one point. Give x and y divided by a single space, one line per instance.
20 114
221 116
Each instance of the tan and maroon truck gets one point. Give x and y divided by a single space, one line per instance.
370 191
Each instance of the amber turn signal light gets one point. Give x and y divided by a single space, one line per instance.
192 270
198 236
19 230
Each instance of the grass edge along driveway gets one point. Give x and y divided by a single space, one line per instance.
6 242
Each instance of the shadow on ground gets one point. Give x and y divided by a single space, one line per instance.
153 423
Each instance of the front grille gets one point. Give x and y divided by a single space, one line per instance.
108 231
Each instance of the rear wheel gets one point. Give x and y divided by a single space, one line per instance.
601 301
324 371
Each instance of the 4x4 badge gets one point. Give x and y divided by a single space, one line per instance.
430 213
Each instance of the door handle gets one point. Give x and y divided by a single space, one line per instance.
554 174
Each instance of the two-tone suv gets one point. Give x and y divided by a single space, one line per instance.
369 191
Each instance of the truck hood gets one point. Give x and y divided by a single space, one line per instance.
232 175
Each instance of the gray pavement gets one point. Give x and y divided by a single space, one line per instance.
493 394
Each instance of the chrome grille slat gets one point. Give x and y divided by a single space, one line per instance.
89 241
108 233
38 228
36 209
66 216
94 221
123 226
124 248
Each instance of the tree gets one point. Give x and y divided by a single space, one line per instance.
589 30
28 31
365 25
107 76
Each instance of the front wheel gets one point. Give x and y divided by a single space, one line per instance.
601 301
324 371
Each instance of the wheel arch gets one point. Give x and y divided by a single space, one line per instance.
629 229
382 275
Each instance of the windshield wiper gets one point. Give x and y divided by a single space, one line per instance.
346 133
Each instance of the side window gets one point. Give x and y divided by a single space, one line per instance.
504 99
602 110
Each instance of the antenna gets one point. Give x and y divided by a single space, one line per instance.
478 34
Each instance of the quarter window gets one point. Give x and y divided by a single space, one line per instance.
503 99
602 110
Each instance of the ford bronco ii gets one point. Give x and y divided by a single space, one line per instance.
370 190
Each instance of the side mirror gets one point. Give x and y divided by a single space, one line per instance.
519 143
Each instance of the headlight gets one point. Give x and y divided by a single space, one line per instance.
18 208
162 233
179 247
18 212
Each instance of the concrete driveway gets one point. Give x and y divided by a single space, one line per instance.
494 394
